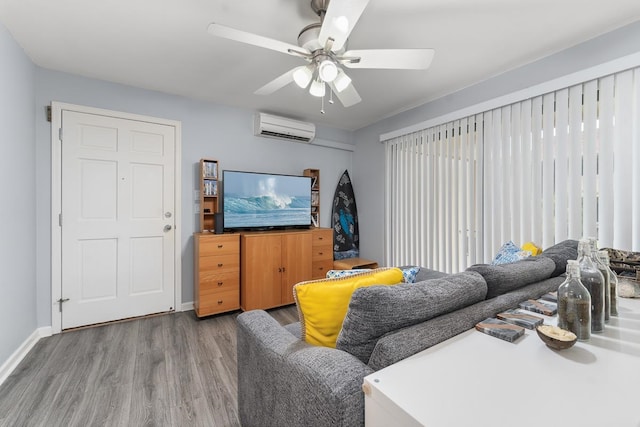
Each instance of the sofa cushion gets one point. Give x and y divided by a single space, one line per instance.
428 274
507 277
560 253
377 310
405 342
322 304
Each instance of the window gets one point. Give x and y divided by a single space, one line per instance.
561 165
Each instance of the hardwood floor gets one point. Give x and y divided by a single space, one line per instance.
170 370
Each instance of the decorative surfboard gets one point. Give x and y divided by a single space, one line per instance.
346 240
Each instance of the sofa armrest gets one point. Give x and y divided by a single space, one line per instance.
284 381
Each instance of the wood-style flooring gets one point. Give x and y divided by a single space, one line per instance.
169 370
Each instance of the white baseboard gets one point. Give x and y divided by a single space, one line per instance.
14 360
186 306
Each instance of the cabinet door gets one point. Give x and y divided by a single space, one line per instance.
296 260
261 271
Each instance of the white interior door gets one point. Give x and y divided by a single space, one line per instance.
118 209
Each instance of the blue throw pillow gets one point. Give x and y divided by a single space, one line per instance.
509 253
409 274
336 274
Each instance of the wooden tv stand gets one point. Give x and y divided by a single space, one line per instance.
266 264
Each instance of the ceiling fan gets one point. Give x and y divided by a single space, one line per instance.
323 46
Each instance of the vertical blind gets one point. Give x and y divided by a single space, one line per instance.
565 164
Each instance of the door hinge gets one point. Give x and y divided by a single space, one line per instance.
60 219
60 134
60 301
48 112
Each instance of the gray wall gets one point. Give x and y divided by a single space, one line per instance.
369 158
17 188
208 130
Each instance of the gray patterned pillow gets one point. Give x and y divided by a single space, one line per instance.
377 310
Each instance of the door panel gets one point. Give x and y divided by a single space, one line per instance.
261 271
296 259
117 184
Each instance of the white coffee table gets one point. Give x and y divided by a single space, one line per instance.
477 380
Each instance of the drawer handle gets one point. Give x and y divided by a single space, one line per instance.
320 253
219 301
220 283
220 246
320 238
220 265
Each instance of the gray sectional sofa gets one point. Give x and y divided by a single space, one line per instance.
283 381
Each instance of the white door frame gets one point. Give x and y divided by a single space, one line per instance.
56 200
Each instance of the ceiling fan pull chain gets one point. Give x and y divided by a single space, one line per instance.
330 96
322 106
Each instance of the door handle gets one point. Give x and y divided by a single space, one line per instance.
167 228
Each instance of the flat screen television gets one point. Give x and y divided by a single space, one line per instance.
262 201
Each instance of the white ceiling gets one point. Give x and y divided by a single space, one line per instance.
163 45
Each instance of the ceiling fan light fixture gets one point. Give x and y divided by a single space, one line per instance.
341 23
342 81
317 88
328 70
303 75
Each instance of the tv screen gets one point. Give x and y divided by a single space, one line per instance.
252 200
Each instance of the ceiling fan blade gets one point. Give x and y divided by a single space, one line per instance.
256 40
277 83
341 17
398 59
348 97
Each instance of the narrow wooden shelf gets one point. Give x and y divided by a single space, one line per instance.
353 263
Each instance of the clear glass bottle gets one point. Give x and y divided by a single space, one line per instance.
574 304
603 256
593 280
603 269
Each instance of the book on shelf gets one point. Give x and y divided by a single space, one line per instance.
540 306
210 188
314 182
500 329
210 170
519 318
314 220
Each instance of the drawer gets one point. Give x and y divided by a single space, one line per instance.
322 237
219 302
219 245
219 264
322 253
219 286
218 279
319 268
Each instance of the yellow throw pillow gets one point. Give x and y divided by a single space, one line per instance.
322 304
533 248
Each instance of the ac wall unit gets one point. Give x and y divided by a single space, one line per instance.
271 126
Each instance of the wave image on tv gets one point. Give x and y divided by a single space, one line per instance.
254 200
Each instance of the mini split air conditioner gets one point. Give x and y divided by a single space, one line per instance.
271 126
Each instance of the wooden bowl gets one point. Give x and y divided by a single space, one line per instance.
556 338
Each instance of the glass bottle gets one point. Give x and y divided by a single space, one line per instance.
603 256
574 304
593 280
603 269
